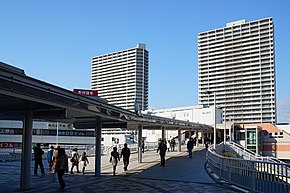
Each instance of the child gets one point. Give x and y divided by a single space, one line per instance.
84 161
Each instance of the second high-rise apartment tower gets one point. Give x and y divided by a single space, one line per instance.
237 64
122 77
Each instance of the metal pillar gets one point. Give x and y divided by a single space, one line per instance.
179 140
140 144
197 138
225 130
202 138
234 134
98 131
214 128
163 133
25 176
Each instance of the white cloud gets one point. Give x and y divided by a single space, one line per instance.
283 111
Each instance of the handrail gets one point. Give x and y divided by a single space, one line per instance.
253 156
257 174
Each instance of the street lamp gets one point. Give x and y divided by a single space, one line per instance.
225 130
214 116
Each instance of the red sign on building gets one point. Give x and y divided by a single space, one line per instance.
89 93
6 145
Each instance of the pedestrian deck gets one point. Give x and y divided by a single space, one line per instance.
181 174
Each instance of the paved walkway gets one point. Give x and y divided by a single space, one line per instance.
181 174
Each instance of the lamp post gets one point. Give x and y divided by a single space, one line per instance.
230 129
225 130
214 116
57 132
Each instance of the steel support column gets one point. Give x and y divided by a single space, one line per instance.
140 144
163 133
25 176
98 146
179 140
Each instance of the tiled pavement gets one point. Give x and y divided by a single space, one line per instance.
181 174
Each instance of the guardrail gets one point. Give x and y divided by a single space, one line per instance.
255 175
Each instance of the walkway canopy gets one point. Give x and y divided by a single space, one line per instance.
20 93
26 98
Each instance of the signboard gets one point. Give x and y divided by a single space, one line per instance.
88 93
6 145
68 133
6 131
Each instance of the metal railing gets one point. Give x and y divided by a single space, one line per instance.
257 175
244 153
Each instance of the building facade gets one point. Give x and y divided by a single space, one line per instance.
236 64
198 114
122 77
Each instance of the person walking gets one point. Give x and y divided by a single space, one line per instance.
61 167
84 161
190 147
126 156
54 160
114 159
50 158
74 160
143 146
162 151
38 152
206 141
172 144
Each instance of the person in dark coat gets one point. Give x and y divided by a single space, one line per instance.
126 156
162 151
114 159
143 146
190 144
61 167
38 152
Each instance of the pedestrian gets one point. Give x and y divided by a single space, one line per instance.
126 156
206 144
162 150
84 161
50 157
55 155
74 160
38 152
114 159
168 145
54 160
190 147
143 146
61 167
194 141
172 144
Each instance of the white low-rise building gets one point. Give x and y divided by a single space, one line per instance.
199 114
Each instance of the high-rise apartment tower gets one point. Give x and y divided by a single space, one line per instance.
122 77
236 65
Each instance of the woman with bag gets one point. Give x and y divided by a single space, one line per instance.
74 160
84 161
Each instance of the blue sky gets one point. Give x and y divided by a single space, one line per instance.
55 40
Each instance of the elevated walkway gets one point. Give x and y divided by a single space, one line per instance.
181 174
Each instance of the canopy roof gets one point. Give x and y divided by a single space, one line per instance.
20 93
